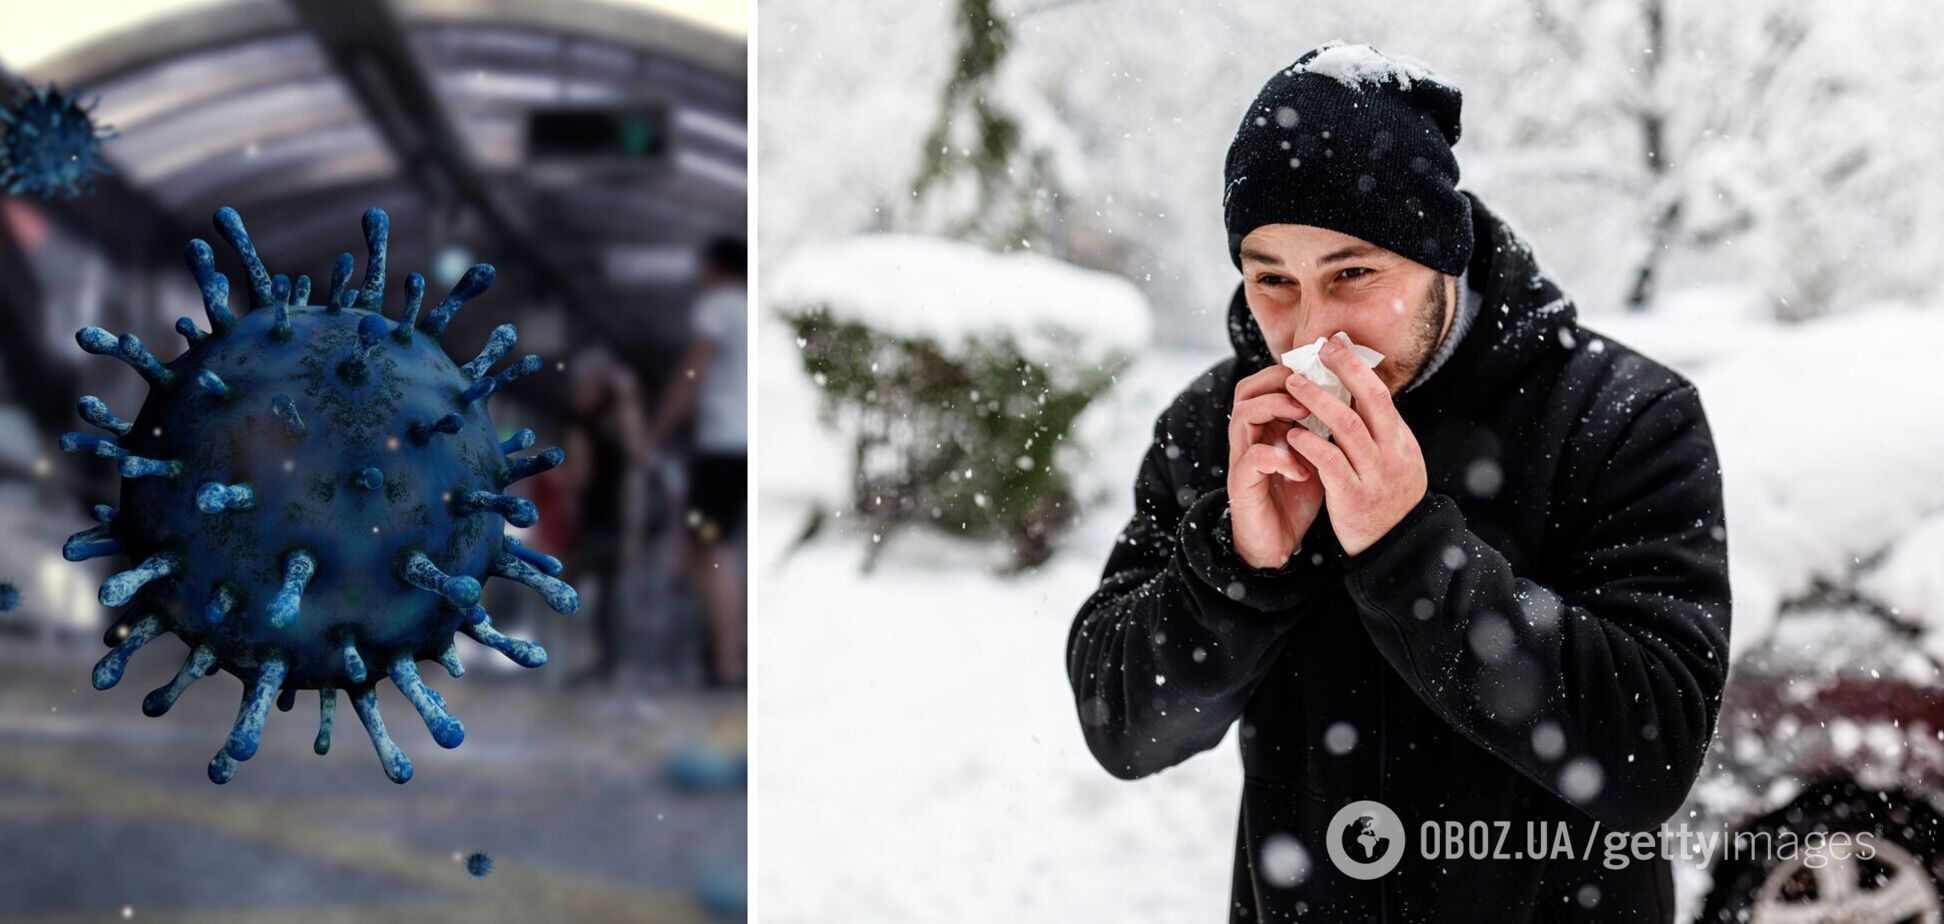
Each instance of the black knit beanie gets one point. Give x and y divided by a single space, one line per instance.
1351 139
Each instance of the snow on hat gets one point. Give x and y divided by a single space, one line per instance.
1357 141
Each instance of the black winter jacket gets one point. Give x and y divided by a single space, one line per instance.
1541 641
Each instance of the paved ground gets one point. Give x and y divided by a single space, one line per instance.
106 814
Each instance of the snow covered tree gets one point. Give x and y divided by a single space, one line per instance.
1644 146
1749 137
981 178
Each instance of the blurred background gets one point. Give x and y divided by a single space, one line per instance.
987 270
595 152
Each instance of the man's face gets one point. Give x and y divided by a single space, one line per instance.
1303 282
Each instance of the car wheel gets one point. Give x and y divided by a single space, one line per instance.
1896 884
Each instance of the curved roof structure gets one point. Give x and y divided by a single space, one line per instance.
301 112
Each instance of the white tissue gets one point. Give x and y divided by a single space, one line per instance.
1308 360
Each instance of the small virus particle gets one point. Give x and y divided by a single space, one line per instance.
480 865
49 144
9 596
254 467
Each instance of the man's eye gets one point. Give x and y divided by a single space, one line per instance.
1354 272
1270 280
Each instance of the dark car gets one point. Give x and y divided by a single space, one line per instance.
1833 726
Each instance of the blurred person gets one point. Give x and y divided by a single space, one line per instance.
711 389
1496 593
606 470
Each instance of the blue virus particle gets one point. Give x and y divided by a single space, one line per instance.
311 496
49 144
480 865
9 596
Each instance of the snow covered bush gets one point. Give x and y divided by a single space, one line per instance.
956 375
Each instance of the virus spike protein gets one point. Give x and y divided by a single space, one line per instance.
317 509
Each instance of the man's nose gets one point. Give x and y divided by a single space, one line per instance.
1323 317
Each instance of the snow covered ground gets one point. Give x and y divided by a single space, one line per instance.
918 741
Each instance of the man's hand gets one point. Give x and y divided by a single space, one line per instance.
1374 473
1273 496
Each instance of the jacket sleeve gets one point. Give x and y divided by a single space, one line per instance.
1165 653
1603 685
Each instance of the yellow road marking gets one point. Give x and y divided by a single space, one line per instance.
399 913
520 893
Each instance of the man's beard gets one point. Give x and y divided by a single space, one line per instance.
1427 330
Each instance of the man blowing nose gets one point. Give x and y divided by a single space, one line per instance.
1491 586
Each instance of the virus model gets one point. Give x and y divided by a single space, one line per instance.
480 865
48 143
311 496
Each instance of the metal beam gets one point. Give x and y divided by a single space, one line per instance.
365 41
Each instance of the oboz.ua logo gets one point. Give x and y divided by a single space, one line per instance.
1365 839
